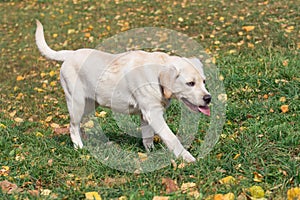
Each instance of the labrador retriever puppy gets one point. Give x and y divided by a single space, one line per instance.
134 82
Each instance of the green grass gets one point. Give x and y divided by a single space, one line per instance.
257 73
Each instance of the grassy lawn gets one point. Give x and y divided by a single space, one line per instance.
256 47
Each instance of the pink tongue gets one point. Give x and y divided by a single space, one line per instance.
205 110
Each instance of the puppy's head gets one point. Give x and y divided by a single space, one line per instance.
184 80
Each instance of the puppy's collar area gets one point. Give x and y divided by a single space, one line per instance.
204 109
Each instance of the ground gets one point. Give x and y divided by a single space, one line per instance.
255 45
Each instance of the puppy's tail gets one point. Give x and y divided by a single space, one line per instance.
45 49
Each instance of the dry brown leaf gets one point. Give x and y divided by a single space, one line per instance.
171 185
34 193
114 181
9 188
61 131
50 162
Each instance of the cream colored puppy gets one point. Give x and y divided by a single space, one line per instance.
134 82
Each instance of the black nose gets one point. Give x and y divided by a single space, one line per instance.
207 98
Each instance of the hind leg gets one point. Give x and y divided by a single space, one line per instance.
76 110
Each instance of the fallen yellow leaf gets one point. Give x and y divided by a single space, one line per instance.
142 156
19 120
54 125
39 134
102 114
282 99
70 31
4 171
20 78
256 192
2 126
181 165
89 124
92 196
228 196
227 180
48 119
160 198
87 35
248 28
185 187
52 73
39 89
43 74
257 177
293 194
236 156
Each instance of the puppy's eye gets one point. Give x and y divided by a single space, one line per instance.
191 84
204 82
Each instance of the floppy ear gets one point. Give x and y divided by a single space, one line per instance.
167 79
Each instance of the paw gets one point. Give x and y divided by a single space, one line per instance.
187 156
148 144
78 145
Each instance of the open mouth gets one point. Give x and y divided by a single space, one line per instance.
204 109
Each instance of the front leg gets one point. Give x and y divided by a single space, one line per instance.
147 135
156 121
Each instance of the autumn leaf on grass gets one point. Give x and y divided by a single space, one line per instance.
102 114
8 187
108 181
20 78
257 177
34 193
191 189
228 180
4 171
256 192
171 185
18 120
293 193
160 198
142 156
284 108
248 28
61 131
92 196
45 192
228 196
